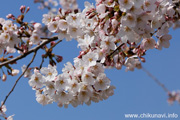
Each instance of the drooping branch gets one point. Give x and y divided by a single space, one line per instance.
156 80
48 40
19 78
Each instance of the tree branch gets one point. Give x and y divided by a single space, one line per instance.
41 63
30 51
18 79
155 79
115 50
49 50
55 44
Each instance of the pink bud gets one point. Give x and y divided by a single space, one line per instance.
60 10
4 77
111 1
116 14
13 18
53 43
58 58
28 8
118 66
9 16
80 56
22 8
143 59
82 53
57 18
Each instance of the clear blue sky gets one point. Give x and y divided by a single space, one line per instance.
135 92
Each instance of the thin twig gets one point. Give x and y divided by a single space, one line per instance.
30 51
18 79
18 48
41 63
155 79
55 44
49 49
116 50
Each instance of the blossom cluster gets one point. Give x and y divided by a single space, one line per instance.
139 25
110 34
51 5
68 4
17 35
8 36
78 84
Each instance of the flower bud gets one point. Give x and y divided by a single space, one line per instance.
10 56
143 59
58 58
15 72
28 8
4 77
118 66
9 16
53 43
22 8
60 10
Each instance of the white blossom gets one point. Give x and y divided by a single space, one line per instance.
102 82
50 72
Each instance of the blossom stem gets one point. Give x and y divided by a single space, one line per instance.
41 63
55 44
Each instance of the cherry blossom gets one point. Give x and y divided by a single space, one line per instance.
110 34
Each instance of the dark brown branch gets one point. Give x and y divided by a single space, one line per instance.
18 48
30 51
156 80
18 79
116 50
41 63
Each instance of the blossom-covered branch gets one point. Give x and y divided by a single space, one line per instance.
111 34
48 40
125 29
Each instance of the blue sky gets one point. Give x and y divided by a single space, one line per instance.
135 92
